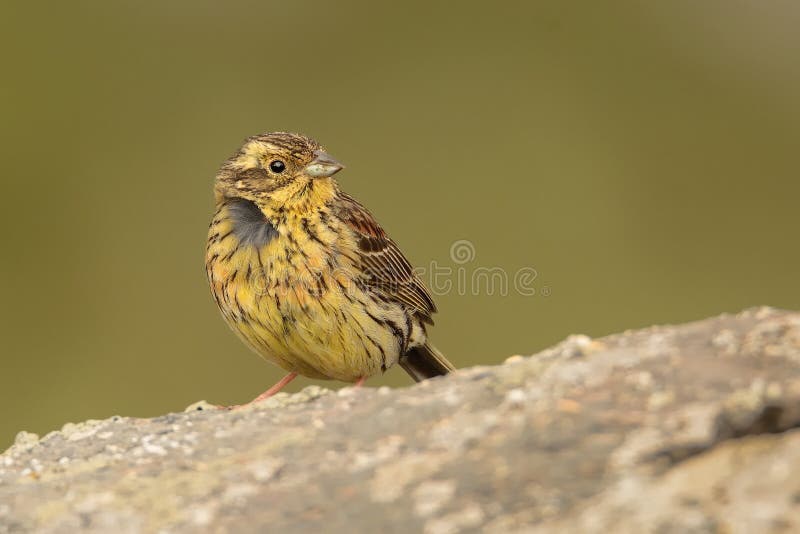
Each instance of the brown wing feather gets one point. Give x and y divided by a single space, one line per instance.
388 270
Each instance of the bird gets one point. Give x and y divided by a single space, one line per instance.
304 274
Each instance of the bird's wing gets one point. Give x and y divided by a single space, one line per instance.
387 269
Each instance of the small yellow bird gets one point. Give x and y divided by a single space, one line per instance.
305 276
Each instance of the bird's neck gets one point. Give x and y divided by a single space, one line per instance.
300 199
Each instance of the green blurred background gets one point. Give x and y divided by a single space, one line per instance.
642 157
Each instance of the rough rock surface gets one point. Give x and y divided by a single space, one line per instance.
690 428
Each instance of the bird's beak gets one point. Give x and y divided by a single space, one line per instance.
323 165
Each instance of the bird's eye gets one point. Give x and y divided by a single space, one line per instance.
277 166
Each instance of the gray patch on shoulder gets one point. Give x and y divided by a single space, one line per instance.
249 224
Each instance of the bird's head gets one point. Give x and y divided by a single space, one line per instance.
278 171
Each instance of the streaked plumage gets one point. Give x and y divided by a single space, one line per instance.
304 274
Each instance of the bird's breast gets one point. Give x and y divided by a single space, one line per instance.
249 257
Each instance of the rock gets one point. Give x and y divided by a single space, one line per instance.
690 428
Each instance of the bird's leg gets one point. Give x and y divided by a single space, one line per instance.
360 382
270 392
276 388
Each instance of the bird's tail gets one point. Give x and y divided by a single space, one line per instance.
425 362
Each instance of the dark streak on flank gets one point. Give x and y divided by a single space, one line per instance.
380 349
313 235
